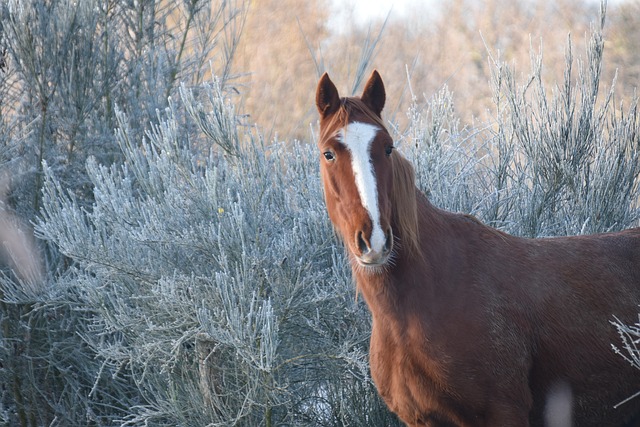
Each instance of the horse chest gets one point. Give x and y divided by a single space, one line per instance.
409 374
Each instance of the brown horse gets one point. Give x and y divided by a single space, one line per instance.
472 326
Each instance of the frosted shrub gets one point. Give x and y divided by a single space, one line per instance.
198 280
67 64
213 284
556 161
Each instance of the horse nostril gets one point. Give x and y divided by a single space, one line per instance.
362 244
388 241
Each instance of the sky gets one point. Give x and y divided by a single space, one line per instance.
365 10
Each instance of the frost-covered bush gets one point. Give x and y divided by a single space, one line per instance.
67 65
210 285
630 348
200 282
556 160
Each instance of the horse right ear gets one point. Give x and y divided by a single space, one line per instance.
327 98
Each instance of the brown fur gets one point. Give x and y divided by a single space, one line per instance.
479 328
403 194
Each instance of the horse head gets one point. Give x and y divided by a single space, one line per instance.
359 171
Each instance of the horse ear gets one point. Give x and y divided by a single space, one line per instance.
327 98
374 95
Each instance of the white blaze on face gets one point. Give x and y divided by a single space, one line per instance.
357 137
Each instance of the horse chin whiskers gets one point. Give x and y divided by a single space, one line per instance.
393 257
371 269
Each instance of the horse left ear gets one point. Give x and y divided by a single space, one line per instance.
374 95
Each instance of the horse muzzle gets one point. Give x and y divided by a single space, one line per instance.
367 256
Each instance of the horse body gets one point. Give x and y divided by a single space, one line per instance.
472 326
489 324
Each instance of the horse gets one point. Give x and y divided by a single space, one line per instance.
472 326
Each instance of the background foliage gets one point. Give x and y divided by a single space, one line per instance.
183 270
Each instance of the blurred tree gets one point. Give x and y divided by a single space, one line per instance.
424 49
624 45
451 43
68 64
281 73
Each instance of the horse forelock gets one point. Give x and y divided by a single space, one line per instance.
403 194
351 109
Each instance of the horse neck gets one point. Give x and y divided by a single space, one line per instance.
432 223
412 274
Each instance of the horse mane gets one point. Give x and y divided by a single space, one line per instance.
403 195
404 202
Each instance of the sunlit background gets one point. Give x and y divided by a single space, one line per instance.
421 48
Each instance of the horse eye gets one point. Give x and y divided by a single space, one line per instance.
329 156
388 150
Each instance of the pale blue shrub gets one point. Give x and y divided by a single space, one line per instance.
200 282
213 281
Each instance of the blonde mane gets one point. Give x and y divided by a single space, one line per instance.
404 203
403 194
